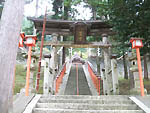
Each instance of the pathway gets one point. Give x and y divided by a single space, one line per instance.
71 88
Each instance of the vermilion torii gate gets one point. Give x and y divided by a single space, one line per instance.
80 30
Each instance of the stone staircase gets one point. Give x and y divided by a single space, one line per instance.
85 104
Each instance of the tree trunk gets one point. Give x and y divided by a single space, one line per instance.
94 13
145 68
9 31
125 67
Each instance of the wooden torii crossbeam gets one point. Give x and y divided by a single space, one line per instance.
79 29
70 44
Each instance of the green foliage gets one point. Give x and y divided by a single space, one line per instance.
27 27
67 3
93 38
100 7
57 8
20 78
76 2
63 9
130 19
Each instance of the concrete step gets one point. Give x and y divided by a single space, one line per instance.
47 110
85 97
87 106
88 101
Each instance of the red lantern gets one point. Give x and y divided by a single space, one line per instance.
22 36
136 42
30 40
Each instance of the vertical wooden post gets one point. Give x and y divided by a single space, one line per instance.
28 71
140 71
99 84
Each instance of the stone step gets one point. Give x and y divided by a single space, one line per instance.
85 97
88 101
103 99
87 106
47 110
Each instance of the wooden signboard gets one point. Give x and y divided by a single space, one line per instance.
80 33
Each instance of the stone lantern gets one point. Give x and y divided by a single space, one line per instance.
134 69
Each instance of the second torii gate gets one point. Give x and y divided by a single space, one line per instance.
80 30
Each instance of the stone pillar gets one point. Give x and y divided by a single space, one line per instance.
134 69
54 55
61 53
70 53
131 77
54 60
104 82
114 75
107 65
47 84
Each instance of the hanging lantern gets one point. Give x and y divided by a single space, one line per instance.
31 40
22 36
136 43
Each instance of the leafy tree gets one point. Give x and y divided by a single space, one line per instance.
27 26
130 19
58 9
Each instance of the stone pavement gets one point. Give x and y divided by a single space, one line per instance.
145 100
21 102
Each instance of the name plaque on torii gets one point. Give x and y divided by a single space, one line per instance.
80 33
